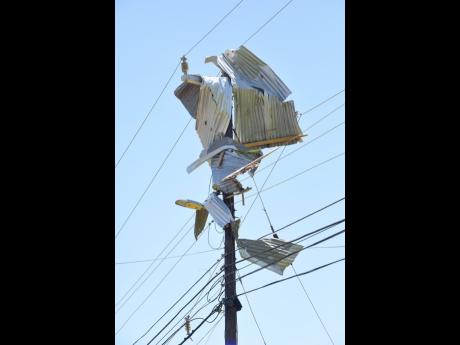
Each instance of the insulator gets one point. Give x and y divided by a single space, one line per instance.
187 325
184 65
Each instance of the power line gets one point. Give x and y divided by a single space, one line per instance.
148 114
210 331
268 21
290 178
213 278
297 149
190 301
193 307
154 289
325 101
151 264
305 217
250 308
300 173
206 251
298 240
152 179
215 309
175 303
165 258
297 275
313 306
321 119
215 26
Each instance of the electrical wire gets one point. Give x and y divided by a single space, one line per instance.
287 278
246 274
250 308
197 327
190 301
152 179
313 306
210 331
319 104
147 269
280 229
165 258
305 217
297 149
290 254
148 114
180 298
126 299
296 240
214 27
268 21
300 173
199 299
288 179
325 116
154 289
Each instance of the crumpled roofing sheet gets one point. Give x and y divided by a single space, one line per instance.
218 145
188 94
246 70
218 210
260 117
231 162
269 251
214 109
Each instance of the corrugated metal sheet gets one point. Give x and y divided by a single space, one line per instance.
231 162
269 251
260 117
251 168
218 210
217 146
188 94
214 109
232 186
200 221
246 70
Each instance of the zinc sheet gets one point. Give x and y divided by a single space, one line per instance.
188 94
269 251
246 70
214 109
231 162
260 117
218 210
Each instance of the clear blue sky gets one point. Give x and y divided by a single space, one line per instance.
304 45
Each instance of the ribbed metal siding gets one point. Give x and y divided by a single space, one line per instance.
214 110
260 117
247 70
218 210
264 252
188 94
231 162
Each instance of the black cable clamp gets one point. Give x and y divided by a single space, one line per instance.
235 303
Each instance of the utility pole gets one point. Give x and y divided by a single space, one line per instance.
230 268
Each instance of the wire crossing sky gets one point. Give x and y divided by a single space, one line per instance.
303 42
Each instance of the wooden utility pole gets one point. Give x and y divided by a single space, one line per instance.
231 337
